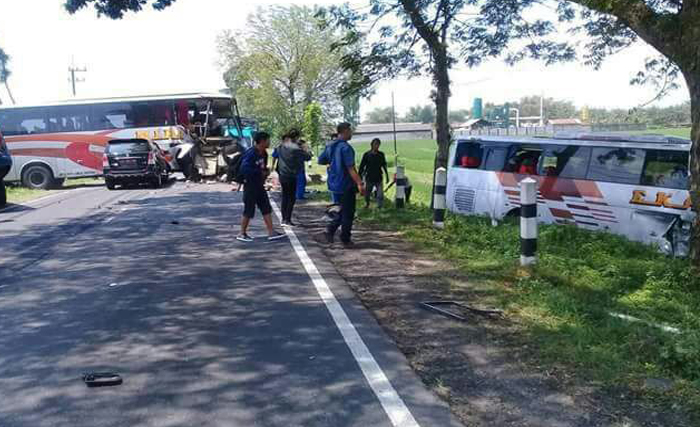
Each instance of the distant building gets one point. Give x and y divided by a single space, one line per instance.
385 131
476 123
567 124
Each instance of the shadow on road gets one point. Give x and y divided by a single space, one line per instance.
200 329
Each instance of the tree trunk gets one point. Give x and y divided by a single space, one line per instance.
442 95
692 78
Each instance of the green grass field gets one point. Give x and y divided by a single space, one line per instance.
679 132
564 304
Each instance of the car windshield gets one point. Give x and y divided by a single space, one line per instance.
128 147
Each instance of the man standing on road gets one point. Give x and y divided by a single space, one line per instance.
291 157
344 181
254 169
373 161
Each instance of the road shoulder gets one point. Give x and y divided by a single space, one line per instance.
482 368
425 406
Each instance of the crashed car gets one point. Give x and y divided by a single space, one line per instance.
134 161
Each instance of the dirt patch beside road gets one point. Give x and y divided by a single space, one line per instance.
483 367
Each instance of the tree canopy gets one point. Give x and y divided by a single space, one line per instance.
420 113
280 64
115 9
380 115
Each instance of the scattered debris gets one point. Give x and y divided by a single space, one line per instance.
115 284
658 384
102 379
661 326
434 306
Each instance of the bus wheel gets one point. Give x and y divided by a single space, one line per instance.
38 177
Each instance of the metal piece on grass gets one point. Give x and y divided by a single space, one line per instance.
434 306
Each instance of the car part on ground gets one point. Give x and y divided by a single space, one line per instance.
101 379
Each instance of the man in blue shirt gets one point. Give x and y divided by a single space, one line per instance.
343 181
254 169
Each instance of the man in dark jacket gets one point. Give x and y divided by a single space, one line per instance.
254 169
371 166
290 161
344 181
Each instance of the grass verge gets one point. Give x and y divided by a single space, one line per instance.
18 194
564 304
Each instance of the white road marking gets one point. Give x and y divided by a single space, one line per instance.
393 405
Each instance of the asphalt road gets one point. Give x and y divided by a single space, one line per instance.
203 329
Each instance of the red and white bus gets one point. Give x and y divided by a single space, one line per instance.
49 143
636 186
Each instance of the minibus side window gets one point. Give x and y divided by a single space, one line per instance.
523 160
616 164
495 158
665 168
565 161
469 155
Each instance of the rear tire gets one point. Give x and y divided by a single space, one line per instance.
3 194
157 180
37 177
110 184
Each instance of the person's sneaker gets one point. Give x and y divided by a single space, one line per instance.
349 244
244 238
329 237
276 236
288 224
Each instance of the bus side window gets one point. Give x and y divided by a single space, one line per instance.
616 164
665 168
565 161
469 155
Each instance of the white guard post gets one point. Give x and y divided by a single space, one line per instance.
528 222
400 187
439 198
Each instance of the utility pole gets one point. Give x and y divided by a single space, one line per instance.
73 70
393 121
542 110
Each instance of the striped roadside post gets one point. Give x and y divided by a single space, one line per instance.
400 187
439 198
528 222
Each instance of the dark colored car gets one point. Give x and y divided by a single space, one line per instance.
5 165
133 161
